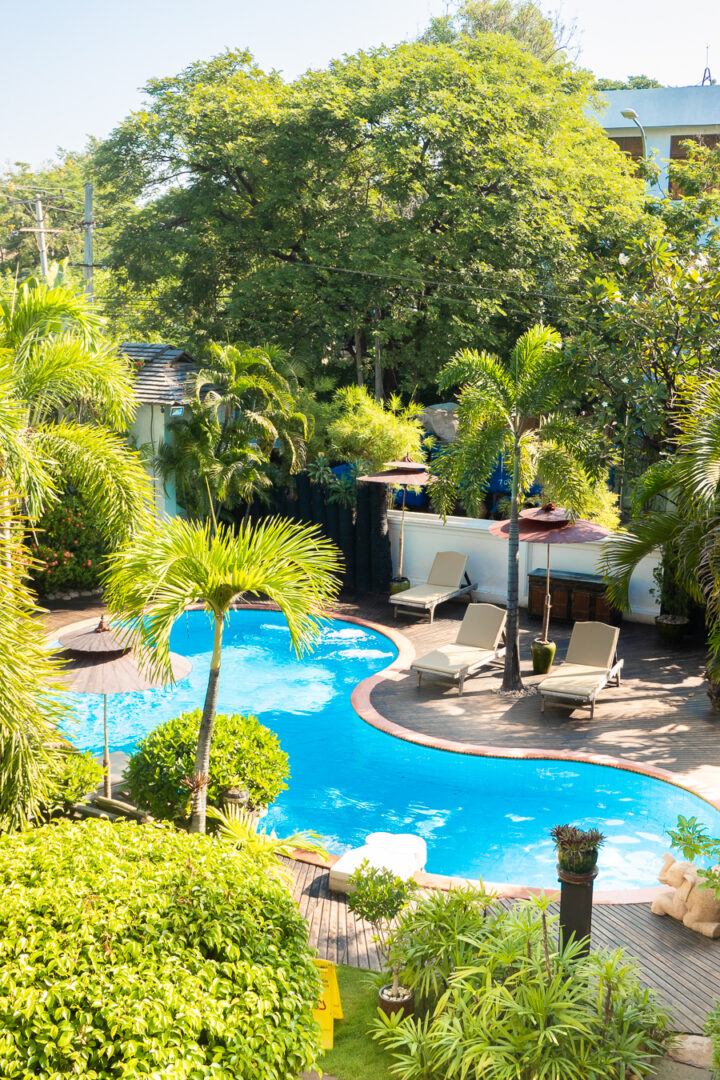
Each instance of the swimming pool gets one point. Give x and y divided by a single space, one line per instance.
479 816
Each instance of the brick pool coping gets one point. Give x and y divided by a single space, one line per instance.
361 703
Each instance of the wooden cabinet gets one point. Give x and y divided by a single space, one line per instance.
575 597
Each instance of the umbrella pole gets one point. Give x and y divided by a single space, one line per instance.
401 546
548 603
106 752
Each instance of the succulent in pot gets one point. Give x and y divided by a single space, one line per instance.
577 849
378 896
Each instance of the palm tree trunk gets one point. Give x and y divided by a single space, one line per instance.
511 675
198 802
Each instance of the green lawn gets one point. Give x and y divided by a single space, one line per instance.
355 1055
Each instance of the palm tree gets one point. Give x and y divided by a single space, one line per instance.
241 406
74 395
172 564
512 410
676 507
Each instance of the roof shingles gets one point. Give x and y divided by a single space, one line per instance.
162 371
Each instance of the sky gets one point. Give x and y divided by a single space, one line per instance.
74 69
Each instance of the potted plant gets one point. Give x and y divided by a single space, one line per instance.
673 620
577 849
378 896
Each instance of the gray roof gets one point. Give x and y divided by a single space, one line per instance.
162 371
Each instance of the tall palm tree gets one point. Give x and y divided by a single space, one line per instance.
75 395
676 506
172 564
516 410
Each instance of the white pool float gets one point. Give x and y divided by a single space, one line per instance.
402 853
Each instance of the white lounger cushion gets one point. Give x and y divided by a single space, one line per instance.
422 595
575 680
402 853
452 659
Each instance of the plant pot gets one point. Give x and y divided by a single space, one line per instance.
578 863
399 584
543 654
391 1005
672 628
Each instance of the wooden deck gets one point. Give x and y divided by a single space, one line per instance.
682 966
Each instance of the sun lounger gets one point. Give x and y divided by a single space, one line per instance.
590 665
403 853
445 582
478 643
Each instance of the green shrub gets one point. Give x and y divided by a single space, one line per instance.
69 547
244 755
76 774
131 951
509 1005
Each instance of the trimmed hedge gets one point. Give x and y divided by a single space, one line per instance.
244 754
132 951
69 548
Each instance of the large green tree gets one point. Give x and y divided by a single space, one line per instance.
173 564
391 209
521 408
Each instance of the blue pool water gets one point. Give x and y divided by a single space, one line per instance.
479 816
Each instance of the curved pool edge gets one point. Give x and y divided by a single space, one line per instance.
361 703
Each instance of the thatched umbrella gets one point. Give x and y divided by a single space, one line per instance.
404 474
548 525
99 661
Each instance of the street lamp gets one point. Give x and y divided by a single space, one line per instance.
630 114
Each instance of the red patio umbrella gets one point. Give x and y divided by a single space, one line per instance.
550 524
99 661
404 474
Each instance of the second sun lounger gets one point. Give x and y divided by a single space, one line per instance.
590 665
478 643
445 582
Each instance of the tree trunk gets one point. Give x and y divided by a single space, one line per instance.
198 801
713 692
379 388
358 358
511 675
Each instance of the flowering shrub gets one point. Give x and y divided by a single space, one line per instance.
68 548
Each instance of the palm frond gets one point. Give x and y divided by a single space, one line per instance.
627 549
108 475
175 563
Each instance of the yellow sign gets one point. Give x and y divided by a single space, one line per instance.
329 1007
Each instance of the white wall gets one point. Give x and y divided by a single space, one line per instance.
149 427
425 534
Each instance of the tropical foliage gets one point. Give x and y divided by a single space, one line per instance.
135 951
74 775
378 896
244 756
173 564
504 1003
522 409
241 405
72 394
242 829
373 432
31 710
676 508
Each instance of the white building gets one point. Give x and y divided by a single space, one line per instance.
667 116
160 387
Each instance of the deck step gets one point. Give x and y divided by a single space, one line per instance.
88 811
120 808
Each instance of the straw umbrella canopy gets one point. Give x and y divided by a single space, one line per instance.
99 661
548 525
404 473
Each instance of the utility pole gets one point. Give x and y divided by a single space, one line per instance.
41 237
88 238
